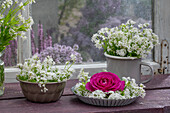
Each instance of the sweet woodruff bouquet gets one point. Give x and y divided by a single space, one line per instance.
126 40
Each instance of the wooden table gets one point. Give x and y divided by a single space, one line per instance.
157 100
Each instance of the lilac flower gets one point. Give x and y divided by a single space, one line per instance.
75 47
33 43
60 54
40 37
10 53
49 41
37 50
45 43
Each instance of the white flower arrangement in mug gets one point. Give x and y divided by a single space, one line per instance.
126 40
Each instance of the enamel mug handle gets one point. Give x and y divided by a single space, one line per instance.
152 72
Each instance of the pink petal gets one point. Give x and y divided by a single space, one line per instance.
122 85
89 87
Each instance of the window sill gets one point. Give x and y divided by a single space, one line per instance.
10 73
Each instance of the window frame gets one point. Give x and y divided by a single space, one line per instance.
24 51
24 45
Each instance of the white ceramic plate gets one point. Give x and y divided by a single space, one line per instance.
104 102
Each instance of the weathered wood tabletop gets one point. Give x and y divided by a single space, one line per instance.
157 100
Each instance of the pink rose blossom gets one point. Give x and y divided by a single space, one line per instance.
105 81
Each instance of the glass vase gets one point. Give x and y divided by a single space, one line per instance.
1 75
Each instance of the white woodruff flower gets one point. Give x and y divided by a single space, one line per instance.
130 22
16 1
71 70
98 94
108 48
6 4
67 62
110 43
73 57
127 93
22 6
22 34
140 26
1 16
32 1
121 52
21 18
3 6
146 25
94 37
20 65
10 2
83 76
116 96
30 22
98 45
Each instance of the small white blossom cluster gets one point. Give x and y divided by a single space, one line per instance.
28 22
126 40
7 4
33 70
83 76
131 90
